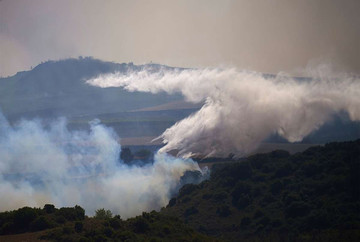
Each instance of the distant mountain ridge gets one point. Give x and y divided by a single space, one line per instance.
58 88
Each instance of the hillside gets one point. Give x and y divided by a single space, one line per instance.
58 88
308 196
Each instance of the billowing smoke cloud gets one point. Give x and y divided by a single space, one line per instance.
242 108
49 164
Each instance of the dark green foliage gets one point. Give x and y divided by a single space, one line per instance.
220 196
28 219
152 226
172 202
78 227
245 221
60 219
103 214
242 202
140 225
223 211
71 214
276 187
49 208
115 223
297 209
40 223
307 196
23 217
108 232
190 211
8 228
67 230
187 189
241 195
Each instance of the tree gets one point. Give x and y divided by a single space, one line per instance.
103 214
49 208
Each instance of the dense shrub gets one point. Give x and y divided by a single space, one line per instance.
190 211
78 227
103 214
71 214
223 211
140 225
187 189
49 208
23 217
40 223
245 221
297 209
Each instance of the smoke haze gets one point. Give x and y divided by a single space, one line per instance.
48 164
242 108
267 36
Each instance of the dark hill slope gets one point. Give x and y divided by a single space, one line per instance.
277 197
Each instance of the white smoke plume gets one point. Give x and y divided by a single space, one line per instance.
242 108
41 165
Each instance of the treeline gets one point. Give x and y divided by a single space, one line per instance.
71 224
308 196
28 219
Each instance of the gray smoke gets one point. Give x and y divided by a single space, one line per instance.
50 164
242 108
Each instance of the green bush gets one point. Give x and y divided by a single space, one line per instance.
115 223
245 221
223 211
71 214
140 225
172 202
60 219
297 209
78 227
49 208
40 223
67 230
187 190
7 228
103 214
242 202
23 217
190 211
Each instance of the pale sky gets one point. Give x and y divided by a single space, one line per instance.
261 35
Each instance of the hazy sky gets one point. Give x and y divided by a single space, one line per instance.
269 36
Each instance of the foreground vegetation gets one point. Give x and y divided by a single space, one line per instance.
309 196
71 224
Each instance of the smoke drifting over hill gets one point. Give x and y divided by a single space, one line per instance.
49 164
242 108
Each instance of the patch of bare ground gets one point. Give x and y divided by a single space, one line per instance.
25 237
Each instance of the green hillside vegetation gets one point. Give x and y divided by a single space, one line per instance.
71 224
309 196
